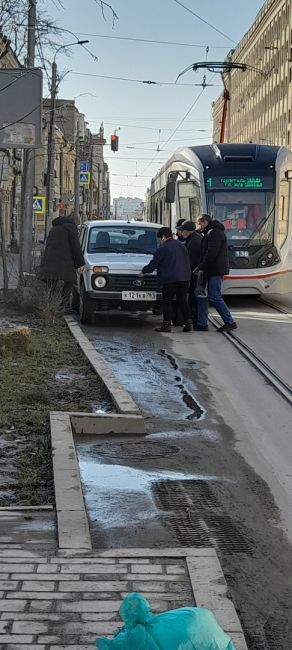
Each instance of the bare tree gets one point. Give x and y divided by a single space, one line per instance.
13 25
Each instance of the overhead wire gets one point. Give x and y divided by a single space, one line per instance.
148 40
148 82
204 21
178 126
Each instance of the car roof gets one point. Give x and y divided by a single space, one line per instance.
120 222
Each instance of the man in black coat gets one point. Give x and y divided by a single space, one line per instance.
215 264
171 261
193 240
62 256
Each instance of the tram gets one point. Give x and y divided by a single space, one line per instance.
248 188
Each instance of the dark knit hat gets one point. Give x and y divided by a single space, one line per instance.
179 223
189 226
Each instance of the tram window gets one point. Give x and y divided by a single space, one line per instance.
283 212
245 215
189 200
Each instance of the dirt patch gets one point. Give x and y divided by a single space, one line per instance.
30 389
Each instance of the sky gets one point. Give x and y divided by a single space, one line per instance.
147 115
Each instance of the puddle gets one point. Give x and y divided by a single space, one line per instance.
119 496
101 408
197 410
155 384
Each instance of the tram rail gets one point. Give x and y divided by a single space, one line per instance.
271 376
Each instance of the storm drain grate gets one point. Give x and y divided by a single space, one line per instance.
228 538
183 495
196 518
188 532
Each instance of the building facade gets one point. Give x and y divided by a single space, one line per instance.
260 103
128 208
10 167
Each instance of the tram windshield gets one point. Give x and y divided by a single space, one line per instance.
248 216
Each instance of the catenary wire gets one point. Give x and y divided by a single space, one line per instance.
148 82
204 21
148 40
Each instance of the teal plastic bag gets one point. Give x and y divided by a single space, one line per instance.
187 628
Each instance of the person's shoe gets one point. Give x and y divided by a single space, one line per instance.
188 326
201 328
228 327
164 327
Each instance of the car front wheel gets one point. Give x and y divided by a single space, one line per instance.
86 308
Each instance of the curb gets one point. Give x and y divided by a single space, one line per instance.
120 396
107 424
72 522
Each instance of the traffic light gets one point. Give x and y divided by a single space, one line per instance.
114 142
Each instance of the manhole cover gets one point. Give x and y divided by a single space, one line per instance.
181 495
119 452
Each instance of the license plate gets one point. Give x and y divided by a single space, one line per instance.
139 295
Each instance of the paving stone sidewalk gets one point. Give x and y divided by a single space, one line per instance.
63 601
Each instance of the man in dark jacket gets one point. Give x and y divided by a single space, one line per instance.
173 269
215 264
193 240
62 256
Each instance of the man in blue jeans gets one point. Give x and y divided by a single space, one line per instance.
215 264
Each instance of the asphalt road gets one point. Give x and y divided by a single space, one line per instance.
215 467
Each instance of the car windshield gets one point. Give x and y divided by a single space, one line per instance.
247 216
122 239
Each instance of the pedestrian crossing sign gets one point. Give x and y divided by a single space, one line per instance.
84 178
39 204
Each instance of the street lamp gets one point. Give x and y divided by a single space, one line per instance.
51 138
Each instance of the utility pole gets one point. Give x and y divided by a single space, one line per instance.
51 152
77 172
25 262
98 190
91 179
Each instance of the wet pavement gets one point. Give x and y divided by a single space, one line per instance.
121 481
29 527
185 483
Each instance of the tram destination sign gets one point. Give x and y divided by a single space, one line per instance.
239 182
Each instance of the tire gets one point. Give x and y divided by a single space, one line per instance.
86 308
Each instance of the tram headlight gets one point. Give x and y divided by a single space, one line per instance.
270 256
99 282
263 263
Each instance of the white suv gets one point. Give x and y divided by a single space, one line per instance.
115 252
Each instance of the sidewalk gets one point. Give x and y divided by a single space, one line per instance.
65 600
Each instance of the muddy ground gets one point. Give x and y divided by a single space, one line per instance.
186 484
54 376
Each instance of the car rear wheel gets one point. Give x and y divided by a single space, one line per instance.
86 308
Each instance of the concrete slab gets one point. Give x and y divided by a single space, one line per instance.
108 424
